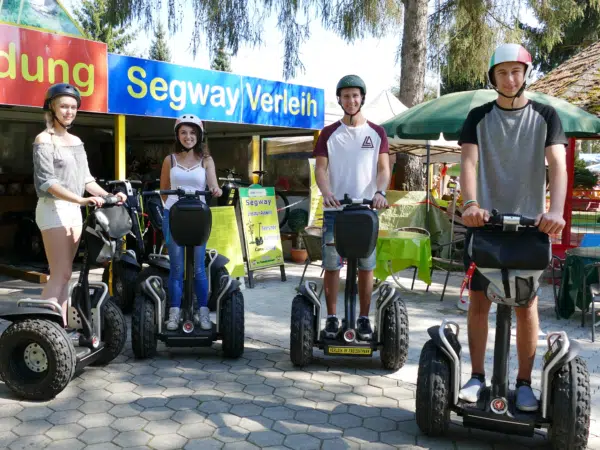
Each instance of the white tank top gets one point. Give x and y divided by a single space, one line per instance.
193 178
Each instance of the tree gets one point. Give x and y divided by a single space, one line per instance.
463 34
93 18
240 22
222 59
159 50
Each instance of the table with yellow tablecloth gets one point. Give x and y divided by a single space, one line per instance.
399 250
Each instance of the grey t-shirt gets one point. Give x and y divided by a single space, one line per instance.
64 165
511 172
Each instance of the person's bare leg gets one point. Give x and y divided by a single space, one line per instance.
58 248
74 236
527 337
477 326
365 291
331 281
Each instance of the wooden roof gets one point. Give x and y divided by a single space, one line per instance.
577 80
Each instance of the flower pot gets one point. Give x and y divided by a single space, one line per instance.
299 255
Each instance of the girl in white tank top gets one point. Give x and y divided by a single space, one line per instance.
192 168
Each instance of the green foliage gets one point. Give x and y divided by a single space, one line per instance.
159 49
239 22
93 17
464 33
222 59
584 178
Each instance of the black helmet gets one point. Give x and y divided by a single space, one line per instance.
351 81
60 89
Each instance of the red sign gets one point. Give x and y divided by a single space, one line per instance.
32 61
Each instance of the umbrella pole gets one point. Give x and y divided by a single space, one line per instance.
427 190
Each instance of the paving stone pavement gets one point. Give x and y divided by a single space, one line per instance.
196 399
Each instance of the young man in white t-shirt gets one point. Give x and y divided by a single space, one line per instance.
352 157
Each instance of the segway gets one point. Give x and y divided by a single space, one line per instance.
190 221
38 357
121 273
356 229
511 254
158 262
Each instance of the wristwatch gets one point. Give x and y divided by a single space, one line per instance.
382 193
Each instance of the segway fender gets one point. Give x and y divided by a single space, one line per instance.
15 314
159 262
128 259
452 355
219 262
309 291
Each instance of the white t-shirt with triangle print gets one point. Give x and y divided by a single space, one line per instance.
353 153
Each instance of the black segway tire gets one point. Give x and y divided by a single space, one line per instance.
124 282
144 329
394 350
433 391
302 331
59 352
570 405
232 324
114 333
221 274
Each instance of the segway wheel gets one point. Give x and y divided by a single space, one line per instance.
37 359
232 324
302 334
570 405
394 350
144 328
217 281
114 333
123 286
433 391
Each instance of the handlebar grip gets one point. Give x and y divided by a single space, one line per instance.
110 200
527 221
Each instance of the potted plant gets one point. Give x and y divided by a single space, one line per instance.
297 221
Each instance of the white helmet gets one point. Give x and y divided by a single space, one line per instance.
191 120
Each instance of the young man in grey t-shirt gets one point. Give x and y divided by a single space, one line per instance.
504 145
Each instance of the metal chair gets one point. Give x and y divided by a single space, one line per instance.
595 294
312 236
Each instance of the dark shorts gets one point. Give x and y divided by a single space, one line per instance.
477 280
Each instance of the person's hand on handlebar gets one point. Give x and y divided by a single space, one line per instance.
216 192
550 223
122 197
379 201
474 216
92 201
329 201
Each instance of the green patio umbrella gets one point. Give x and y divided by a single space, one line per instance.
446 115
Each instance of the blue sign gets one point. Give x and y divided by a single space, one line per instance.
152 88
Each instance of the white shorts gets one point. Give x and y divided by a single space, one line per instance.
54 213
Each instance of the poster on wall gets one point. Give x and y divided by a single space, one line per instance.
224 238
315 216
260 228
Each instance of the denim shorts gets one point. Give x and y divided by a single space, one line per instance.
331 259
55 213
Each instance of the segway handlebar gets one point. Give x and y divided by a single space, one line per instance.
110 200
349 201
510 219
179 192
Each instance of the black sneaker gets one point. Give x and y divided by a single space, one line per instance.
363 329
332 327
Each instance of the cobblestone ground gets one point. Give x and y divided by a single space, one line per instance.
195 399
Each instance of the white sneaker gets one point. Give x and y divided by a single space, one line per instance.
205 322
470 391
173 322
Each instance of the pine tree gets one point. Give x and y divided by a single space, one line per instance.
93 18
222 59
159 50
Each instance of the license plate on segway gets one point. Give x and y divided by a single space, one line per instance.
345 350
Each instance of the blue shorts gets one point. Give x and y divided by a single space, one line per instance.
331 259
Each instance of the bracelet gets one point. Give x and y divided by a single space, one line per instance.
473 203
469 201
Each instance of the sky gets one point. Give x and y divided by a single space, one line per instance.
325 56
